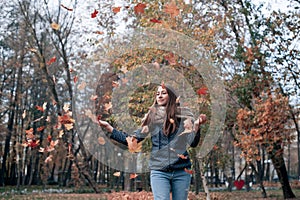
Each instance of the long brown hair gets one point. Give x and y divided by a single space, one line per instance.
172 109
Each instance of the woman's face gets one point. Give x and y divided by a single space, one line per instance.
162 96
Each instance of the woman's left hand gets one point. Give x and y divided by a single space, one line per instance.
201 120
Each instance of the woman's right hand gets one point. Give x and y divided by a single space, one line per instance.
106 125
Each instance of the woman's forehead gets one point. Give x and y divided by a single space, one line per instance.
160 88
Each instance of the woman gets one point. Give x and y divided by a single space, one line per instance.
172 130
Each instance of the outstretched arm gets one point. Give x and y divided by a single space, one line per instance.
201 120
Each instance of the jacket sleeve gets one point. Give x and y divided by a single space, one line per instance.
120 136
196 138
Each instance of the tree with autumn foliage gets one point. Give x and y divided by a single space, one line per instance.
267 126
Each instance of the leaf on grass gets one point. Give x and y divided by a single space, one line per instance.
133 145
101 140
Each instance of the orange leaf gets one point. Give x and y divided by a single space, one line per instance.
40 128
133 176
116 9
101 140
182 156
189 171
75 79
39 108
139 8
99 32
55 26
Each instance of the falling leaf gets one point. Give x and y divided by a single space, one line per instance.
24 114
55 26
145 129
124 80
172 9
66 107
133 145
52 60
171 59
178 99
75 79
115 84
202 91
93 97
124 69
189 171
163 85
133 176
48 159
116 9
40 128
107 106
182 156
98 32
40 108
156 65
139 8
60 133
101 140
68 126
117 174
68 9
33 143
81 86
153 20
188 126
94 14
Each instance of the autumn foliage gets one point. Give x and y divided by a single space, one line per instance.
265 126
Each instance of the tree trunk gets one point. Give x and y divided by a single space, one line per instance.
280 168
204 181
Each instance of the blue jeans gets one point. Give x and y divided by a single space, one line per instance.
177 182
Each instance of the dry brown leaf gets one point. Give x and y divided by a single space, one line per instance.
133 145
